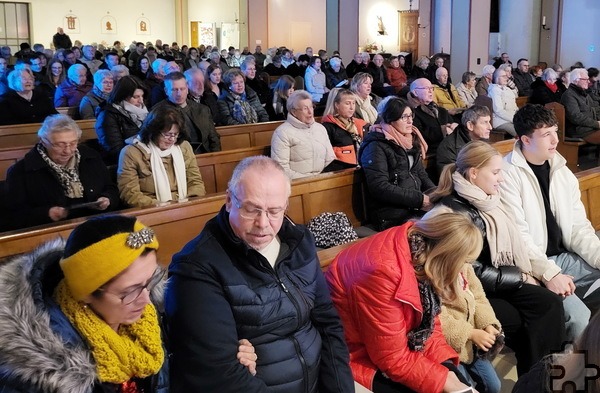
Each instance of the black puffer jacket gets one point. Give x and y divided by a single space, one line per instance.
395 188
542 95
227 101
113 127
220 291
580 116
493 279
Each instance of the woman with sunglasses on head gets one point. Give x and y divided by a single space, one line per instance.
160 165
84 316
391 156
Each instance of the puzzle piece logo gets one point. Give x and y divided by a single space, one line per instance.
573 373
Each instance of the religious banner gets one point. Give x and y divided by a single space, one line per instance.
207 33
142 26
71 24
408 32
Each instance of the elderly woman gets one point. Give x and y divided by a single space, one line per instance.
335 73
316 81
531 314
88 313
396 74
366 102
300 144
238 105
72 90
545 90
23 103
160 165
119 71
466 88
504 101
57 179
388 290
103 86
391 156
419 70
344 130
120 117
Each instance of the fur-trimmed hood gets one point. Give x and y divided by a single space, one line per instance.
39 348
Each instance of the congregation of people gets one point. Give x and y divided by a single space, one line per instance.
469 251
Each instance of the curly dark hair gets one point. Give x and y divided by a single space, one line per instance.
532 117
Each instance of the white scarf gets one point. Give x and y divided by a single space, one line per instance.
366 110
162 186
138 115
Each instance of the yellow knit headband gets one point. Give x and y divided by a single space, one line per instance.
91 267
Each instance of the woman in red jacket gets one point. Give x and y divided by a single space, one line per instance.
387 290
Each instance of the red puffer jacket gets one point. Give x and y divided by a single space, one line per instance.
375 290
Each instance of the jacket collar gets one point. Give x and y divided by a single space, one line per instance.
297 123
517 158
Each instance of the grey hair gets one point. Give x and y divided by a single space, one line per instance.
335 61
116 70
72 71
358 79
295 97
158 65
14 77
100 75
488 70
58 123
548 74
468 76
474 113
262 163
577 74
189 73
505 67
439 71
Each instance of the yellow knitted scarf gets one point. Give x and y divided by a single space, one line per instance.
135 351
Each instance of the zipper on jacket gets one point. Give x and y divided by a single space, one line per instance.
302 363
300 293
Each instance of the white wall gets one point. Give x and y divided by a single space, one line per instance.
369 10
519 24
579 40
297 24
219 11
47 15
442 28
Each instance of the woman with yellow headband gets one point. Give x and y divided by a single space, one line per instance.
85 316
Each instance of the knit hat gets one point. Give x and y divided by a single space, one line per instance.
101 248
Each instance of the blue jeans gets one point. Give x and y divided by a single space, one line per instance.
483 375
577 313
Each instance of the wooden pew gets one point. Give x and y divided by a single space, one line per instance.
567 147
521 101
503 146
247 135
25 135
589 185
177 223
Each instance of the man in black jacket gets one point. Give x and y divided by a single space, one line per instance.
253 274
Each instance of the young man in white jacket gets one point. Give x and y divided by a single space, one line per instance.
545 198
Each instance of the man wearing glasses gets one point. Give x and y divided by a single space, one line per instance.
523 78
582 120
253 274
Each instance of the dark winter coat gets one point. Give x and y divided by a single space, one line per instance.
227 101
113 127
580 117
395 188
70 94
220 290
541 94
32 188
449 147
15 109
431 126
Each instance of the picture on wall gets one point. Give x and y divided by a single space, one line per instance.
207 33
71 24
108 25
142 26
230 35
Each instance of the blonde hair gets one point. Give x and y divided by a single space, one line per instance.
449 241
335 97
474 154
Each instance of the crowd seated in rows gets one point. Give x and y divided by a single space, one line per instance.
260 87
160 164
344 130
582 119
481 87
396 74
58 178
532 315
103 86
336 73
120 117
381 84
315 81
301 145
391 157
238 105
545 89
23 103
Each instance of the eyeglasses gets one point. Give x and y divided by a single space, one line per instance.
254 213
424 88
407 116
170 136
135 293
63 145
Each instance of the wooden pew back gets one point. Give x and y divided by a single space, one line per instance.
569 149
25 135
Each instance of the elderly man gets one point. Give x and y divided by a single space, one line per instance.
433 121
381 84
194 78
335 73
503 59
199 124
523 79
484 82
445 94
135 54
582 120
72 90
355 66
259 56
475 125
253 274
89 58
61 40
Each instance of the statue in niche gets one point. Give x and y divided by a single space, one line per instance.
142 26
380 26
71 22
108 26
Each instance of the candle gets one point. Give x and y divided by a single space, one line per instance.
543 21
419 20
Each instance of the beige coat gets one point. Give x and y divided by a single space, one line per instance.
135 181
470 310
